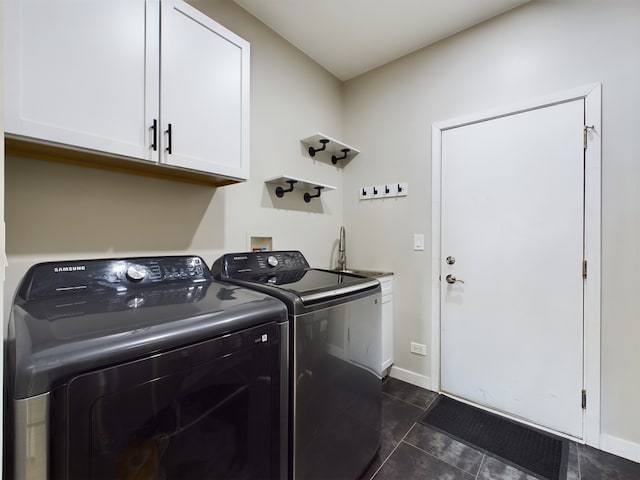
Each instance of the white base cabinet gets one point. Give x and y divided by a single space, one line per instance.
150 80
386 284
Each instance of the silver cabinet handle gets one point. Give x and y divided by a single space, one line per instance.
452 279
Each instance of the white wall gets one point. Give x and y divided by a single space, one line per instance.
543 47
57 211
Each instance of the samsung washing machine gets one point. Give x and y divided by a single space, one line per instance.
335 387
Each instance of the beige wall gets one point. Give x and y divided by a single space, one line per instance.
544 47
57 211
292 98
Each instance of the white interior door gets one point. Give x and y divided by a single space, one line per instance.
512 223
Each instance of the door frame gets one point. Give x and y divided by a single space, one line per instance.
592 95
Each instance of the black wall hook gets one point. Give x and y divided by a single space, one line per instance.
335 159
308 196
281 191
313 151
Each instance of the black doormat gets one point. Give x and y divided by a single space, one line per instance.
538 453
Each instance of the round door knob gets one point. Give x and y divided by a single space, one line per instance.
136 273
272 261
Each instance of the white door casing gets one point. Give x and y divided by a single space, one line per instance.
507 280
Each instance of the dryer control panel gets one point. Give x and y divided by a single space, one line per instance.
51 279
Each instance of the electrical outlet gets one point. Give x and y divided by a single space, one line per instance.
418 349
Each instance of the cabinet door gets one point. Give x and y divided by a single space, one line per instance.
386 284
75 72
387 331
204 93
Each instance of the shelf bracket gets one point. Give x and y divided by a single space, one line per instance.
313 151
281 191
308 196
335 159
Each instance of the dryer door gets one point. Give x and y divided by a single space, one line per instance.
209 410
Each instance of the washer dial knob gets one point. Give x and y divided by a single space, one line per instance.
136 273
272 261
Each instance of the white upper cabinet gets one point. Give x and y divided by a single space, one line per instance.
75 73
205 92
86 74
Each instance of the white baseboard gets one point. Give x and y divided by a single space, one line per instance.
618 446
411 377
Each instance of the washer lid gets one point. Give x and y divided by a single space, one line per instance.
313 285
286 274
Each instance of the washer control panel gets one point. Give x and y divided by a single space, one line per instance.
233 265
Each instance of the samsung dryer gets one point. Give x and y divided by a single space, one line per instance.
144 368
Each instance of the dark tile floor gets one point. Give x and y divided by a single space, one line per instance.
412 451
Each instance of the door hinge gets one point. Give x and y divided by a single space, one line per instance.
584 269
585 129
584 399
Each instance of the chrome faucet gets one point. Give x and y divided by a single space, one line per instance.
342 251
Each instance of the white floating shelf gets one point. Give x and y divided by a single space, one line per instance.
286 183
339 153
